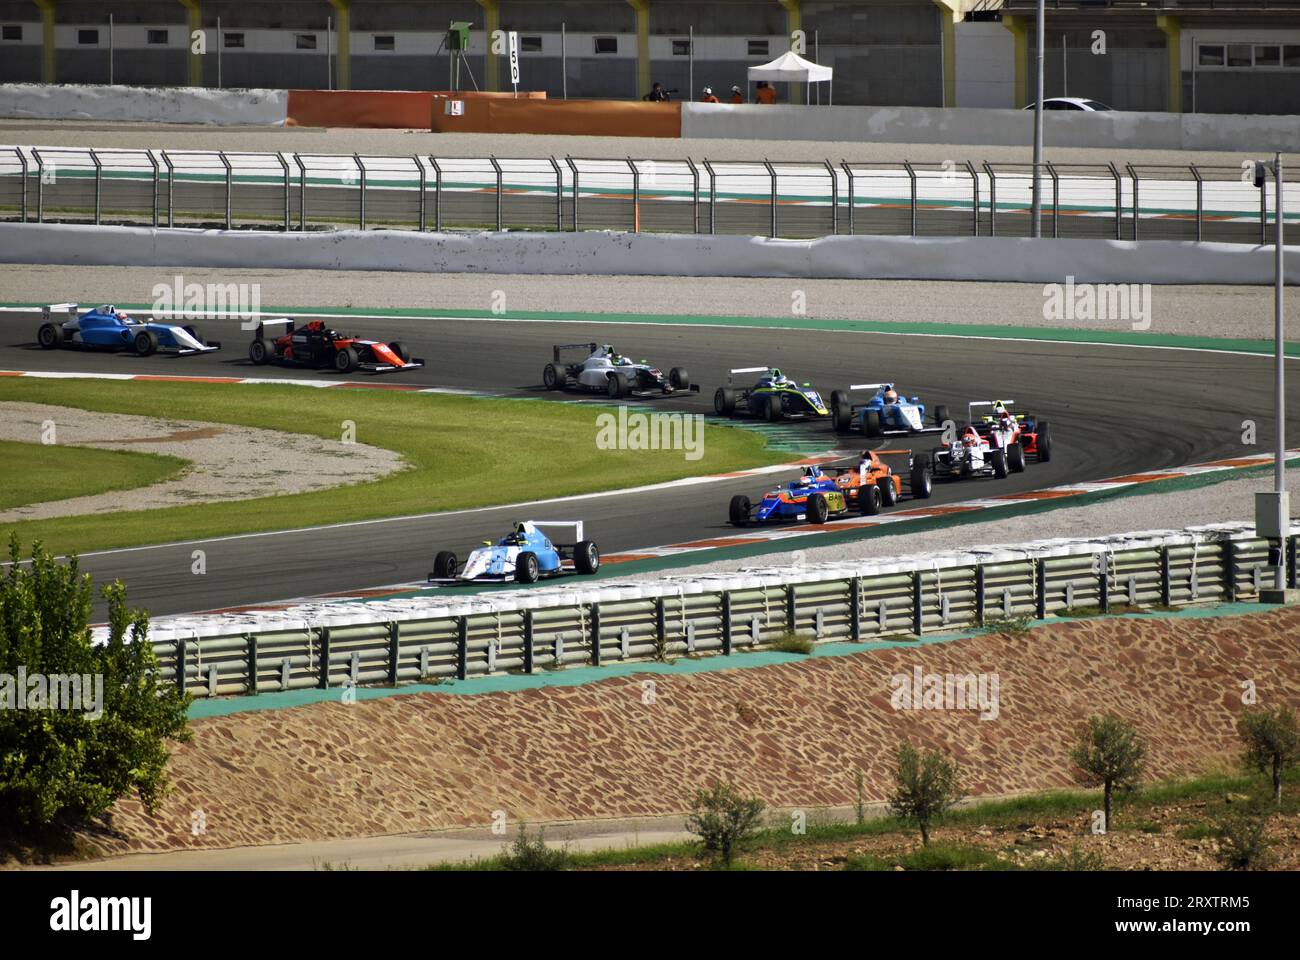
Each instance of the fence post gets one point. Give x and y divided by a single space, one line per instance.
288 216
496 168
1040 589
324 666
462 646
848 172
791 612
302 192
713 198
1229 570
975 199
1164 576
771 172
595 634
726 623
99 182
437 194
1291 562
1119 201
1056 200
636 196
661 623
911 175
394 643
153 161
528 641
993 200
424 182
835 198
230 182
979 594
361 200
918 615
855 609
180 664
252 664
1200 206
1136 205
573 168
559 195
1103 584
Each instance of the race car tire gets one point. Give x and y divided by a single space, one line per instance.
586 558
345 360
922 481
259 351
400 350
888 492
868 500
1016 458
1044 442
527 569
999 460
738 511
940 415
818 509
615 386
841 412
551 379
871 423
774 410
679 378
444 565
50 336
724 402
145 343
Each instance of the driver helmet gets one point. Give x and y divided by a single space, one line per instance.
891 395
708 91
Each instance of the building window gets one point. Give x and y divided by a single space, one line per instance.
758 48
232 40
156 37
606 44
1268 55
681 48
304 41
1239 55
530 44
385 41
88 38
1210 55
1291 56
13 31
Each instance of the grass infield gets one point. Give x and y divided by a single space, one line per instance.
461 452
37 472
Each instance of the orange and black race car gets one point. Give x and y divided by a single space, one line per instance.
315 345
873 484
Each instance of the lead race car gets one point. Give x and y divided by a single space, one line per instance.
524 555
773 396
599 367
885 412
110 328
315 345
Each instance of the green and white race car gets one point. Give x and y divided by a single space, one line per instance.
773 397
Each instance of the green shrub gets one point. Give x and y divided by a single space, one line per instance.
1242 844
794 643
533 854
926 785
1108 753
724 819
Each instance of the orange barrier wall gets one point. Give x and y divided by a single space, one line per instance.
590 118
375 108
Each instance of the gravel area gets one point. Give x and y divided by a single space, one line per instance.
1209 311
1229 501
226 462
77 133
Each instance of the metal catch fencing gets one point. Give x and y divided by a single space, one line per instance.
438 639
287 191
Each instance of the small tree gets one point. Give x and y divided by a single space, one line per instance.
1272 742
927 785
61 765
1108 753
1242 844
534 854
724 819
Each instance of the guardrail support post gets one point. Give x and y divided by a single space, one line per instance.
835 199
1164 576
324 666
252 663
180 664
1040 589
153 161
1229 570
918 612
1119 202
528 641
979 594
424 181
437 194
713 198
462 646
1136 205
1103 584
993 200
1291 562
661 623
911 175
771 172
99 185
573 168
595 634
559 196
394 644
22 162
1056 200
726 622
791 614
848 173
302 192
361 200
496 168
230 184
855 609
636 195
975 199
1200 203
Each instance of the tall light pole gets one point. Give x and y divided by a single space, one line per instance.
1037 212
1273 510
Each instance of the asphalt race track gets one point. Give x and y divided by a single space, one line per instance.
1114 410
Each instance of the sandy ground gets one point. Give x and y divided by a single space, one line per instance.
792 734
1209 311
77 133
226 462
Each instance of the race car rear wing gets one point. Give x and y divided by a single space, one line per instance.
262 325
970 408
732 373
573 529
560 347
71 308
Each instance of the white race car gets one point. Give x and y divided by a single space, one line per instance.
984 447
598 367
525 555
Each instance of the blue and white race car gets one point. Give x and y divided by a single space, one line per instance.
524 555
110 328
886 412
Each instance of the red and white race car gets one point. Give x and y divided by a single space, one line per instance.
994 444
315 345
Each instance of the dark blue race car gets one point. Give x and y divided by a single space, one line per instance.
109 328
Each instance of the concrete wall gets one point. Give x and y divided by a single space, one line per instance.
986 70
1134 131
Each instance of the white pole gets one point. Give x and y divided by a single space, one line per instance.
220 43
564 63
690 62
817 56
1195 56
110 49
1279 354
1065 68
329 53
1037 211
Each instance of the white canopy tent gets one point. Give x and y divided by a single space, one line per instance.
792 68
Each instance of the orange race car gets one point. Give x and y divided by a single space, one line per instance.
873 484
315 345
